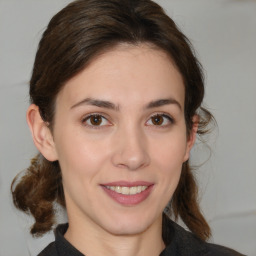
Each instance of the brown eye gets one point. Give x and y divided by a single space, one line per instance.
157 120
162 120
95 120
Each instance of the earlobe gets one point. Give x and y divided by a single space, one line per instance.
41 133
192 137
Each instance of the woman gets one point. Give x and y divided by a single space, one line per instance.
116 97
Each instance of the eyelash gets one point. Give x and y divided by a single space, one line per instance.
96 115
166 118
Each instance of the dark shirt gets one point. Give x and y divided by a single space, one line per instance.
179 243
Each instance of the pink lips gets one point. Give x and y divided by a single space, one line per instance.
128 200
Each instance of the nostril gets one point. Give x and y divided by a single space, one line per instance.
131 150
132 160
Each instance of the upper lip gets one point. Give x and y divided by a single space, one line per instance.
128 184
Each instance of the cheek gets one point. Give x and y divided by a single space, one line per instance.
168 159
78 156
170 151
80 166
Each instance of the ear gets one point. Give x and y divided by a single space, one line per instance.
191 137
41 133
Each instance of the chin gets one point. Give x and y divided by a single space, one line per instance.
127 231
130 226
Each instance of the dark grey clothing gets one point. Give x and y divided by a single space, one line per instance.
179 243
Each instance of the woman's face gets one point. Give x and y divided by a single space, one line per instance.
120 138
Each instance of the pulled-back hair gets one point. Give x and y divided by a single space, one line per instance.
75 37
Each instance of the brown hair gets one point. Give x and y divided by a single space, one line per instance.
73 38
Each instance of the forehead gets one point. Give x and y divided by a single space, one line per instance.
125 74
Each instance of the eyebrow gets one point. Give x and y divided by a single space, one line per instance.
97 103
110 105
162 102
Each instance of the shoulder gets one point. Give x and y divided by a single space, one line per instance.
60 247
185 243
214 249
50 250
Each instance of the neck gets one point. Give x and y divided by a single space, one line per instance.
94 241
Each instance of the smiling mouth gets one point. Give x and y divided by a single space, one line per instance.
127 190
128 193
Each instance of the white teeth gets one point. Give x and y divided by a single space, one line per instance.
133 191
127 190
118 189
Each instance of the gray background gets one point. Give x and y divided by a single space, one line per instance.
224 35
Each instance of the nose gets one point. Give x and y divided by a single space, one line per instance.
131 149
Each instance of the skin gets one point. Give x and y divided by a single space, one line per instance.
127 144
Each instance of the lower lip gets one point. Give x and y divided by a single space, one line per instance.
129 200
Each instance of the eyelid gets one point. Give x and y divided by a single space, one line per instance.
87 117
163 114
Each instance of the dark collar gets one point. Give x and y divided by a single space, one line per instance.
63 247
178 242
181 242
